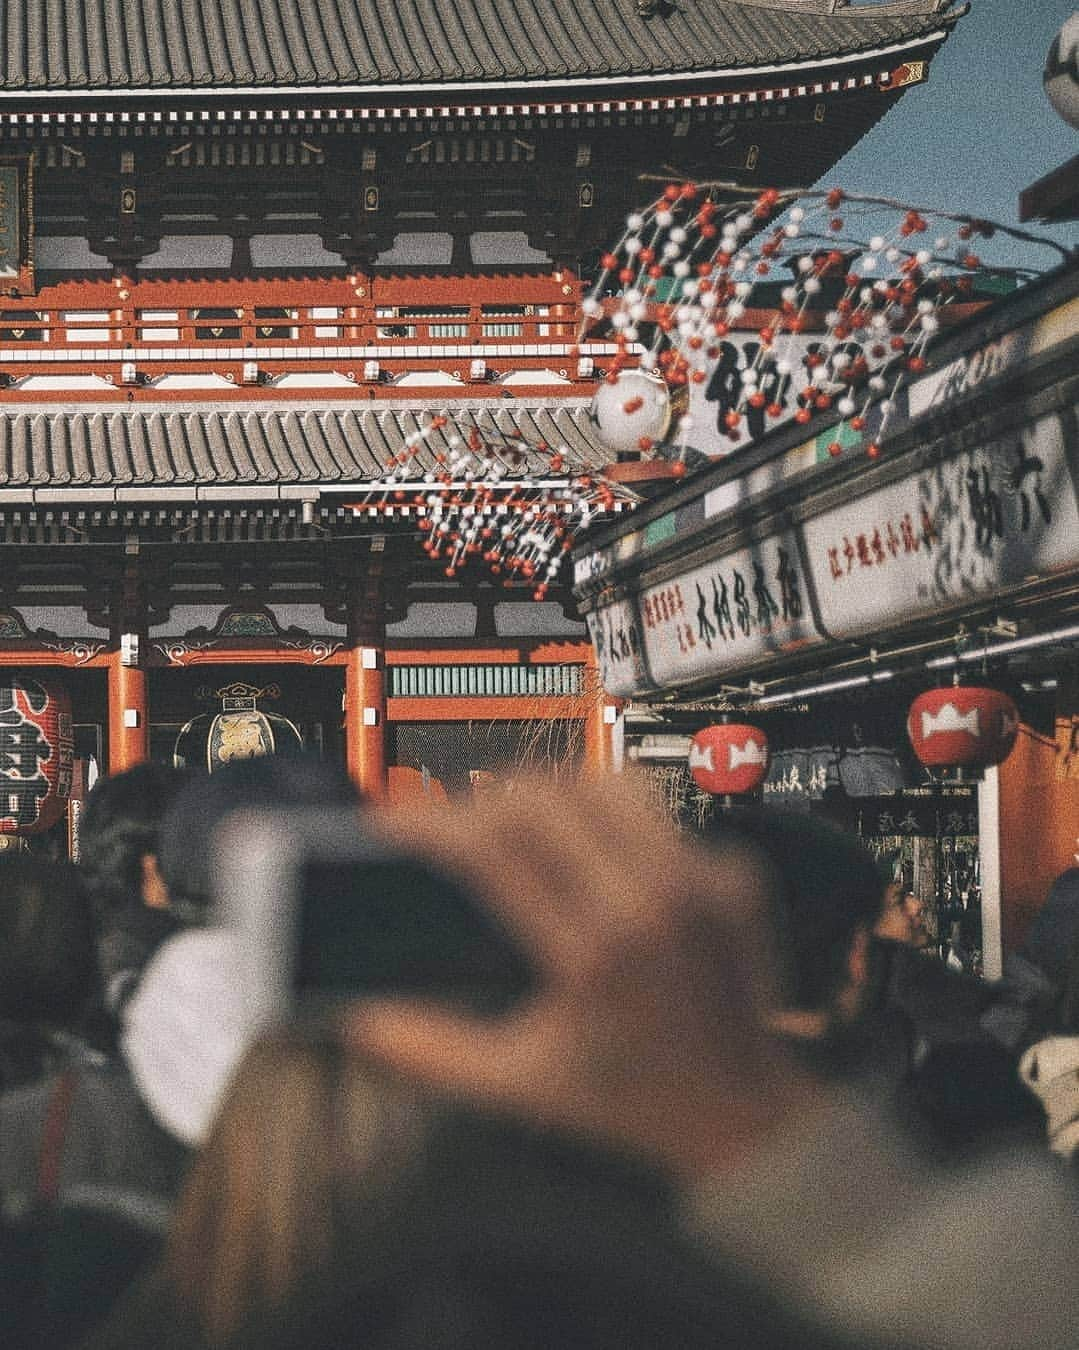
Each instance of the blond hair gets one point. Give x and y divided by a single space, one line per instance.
301 1124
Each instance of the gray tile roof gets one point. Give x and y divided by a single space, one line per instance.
257 446
160 45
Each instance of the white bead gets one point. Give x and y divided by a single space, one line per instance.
632 245
634 222
846 407
797 213
678 235
876 243
681 268
791 231
869 263
664 219
812 285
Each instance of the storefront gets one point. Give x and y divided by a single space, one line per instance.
817 596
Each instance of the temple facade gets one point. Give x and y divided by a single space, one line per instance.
249 252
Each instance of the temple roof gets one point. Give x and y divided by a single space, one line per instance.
88 47
96 453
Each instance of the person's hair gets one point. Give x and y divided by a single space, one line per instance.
827 887
48 961
119 826
1054 933
264 1206
187 834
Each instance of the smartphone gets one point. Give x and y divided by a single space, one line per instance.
328 912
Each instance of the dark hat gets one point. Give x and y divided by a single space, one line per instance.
1054 934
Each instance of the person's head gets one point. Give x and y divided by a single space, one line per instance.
823 907
305 1136
48 960
902 917
119 838
189 829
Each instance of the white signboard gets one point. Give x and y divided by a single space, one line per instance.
719 392
616 636
981 522
726 615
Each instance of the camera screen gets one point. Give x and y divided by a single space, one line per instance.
392 925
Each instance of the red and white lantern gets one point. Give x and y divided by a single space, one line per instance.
36 753
962 727
729 758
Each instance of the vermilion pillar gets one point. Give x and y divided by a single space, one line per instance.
129 719
365 717
365 678
600 721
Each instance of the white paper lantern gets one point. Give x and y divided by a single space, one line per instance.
633 413
1061 78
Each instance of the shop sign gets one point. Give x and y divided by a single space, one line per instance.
722 390
926 817
985 520
967 373
616 635
726 615
925 813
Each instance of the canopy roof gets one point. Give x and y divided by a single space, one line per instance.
53 456
88 47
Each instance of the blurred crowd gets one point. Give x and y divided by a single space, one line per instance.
736 1102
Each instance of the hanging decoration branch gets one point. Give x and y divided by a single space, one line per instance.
687 272
485 496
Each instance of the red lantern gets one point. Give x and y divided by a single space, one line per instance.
36 754
962 726
731 757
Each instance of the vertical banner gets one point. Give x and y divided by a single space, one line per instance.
16 224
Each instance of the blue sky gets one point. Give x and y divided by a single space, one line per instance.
979 131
